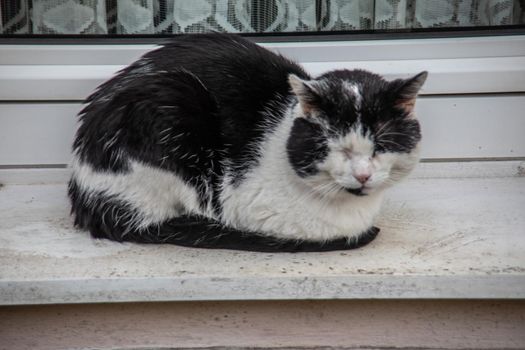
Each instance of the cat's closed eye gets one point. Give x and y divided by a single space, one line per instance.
347 152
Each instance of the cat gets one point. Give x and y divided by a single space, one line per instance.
213 141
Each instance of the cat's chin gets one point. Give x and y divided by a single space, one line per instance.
360 192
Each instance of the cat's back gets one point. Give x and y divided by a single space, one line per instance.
241 77
228 65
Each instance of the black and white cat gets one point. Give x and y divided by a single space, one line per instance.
212 141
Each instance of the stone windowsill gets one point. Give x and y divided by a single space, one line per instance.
453 230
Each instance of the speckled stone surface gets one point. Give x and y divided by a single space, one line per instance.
441 238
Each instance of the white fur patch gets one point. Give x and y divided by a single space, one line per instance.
155 193
353 89
350 156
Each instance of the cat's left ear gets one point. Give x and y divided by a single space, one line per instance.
406 91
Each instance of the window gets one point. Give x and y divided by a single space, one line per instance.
164 17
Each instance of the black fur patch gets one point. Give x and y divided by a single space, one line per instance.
245 80
306 147
103 216
398 136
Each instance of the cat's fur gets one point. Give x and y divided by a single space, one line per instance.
212 141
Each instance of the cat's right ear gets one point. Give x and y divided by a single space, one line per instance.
306 94
407 90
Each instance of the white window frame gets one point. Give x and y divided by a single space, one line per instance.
472 106
493 64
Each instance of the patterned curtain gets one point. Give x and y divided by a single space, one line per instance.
248 16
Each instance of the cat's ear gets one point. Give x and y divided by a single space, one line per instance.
306 93
406 91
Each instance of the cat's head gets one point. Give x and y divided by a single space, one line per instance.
354 132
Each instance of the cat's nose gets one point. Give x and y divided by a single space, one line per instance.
362 178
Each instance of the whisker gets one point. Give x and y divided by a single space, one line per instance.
381 143
384 126
391 133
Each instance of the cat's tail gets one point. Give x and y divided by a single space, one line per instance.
195 231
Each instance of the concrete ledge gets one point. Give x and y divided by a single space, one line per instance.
444 237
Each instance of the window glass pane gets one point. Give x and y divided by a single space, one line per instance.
157 17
